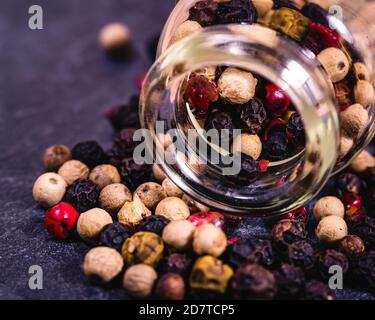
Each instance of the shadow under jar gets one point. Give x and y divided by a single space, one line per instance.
193 87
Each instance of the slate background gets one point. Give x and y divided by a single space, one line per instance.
55 85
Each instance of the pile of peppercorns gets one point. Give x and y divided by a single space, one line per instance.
224 97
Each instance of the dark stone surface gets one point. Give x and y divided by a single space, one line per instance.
54 87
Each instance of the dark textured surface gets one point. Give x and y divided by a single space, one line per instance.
54 87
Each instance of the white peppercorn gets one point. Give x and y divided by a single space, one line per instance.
114 36
209 239
263 6
363 162
354 120
248 144
331 229
55 156
113 197
193 205
346 144
102 264
335 63
328 206
91 223
73 170
139 280
104 174
133 212
49 189
364 93
179 234
361 72
237 86
151 193
158 173
171 189
173 208
185 29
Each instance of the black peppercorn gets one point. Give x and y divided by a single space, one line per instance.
220 120
236 11
365 229
253 115
90 153
290 281
253 281
302 254
352 246
316 290
296 130
114 235
329 258
250 251
276 146
316 13
249 170
286 232
204 12
125 116
123 146
348 183
366 267
179 263
133 174
154 223
83 195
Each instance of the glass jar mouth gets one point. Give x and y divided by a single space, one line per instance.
262 51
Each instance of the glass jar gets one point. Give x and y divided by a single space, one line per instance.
229 181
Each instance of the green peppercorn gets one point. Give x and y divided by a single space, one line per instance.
143 247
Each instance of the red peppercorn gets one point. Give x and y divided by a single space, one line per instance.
263 165
320 38
215 218
61 220
352 203
276 100
274 124
232 240
200 91
299 215
343 95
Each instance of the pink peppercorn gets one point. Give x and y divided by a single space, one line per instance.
61 220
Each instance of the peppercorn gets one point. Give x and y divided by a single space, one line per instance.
215 218
173 208
276 146
253 115
122 147
363 162
155 224
55 156
204 12
249 171
158 173
139 280
177 263
91 223
90 153
221 120
329 258
328 206
254 282
49 189
358 216
286 232
133 174
151 194
61 220
113 197
73 170
352 203
115 39
352 246
320 37
185 29
210 274
346 144
366 267
209 239
365 229
237 86
361 72
104 175
290 281
354 120
200 92
133 212
102 264
331 229
335 63
295 130
170 286
364 93
250 251
114 235
247 144
83 195
316 290
299 215
349 183
276 100
179 234
316 13
143 247
302 254
124 116
194 206
236 11
343 95
171 189
262 6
